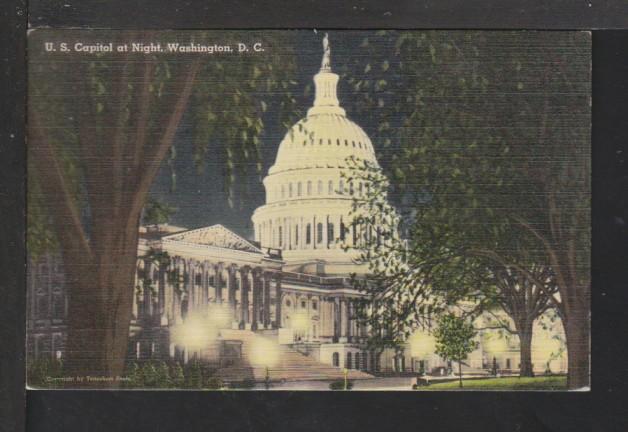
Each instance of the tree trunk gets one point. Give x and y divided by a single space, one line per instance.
525 349
460 372
577 332
100 304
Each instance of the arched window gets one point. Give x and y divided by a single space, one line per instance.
342 230
348 361
290 190
309 188
299 189
341 187
335 359
357 361
319 233
320 187
330 232
308 234
351 191
361 188
280 237
330 187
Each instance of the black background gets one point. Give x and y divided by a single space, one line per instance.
605 408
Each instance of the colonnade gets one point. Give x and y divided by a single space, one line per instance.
313 232
187 286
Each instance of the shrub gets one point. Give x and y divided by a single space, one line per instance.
213 383
340 385
244 384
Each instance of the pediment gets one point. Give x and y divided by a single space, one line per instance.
217 236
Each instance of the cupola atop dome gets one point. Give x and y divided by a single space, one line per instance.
326 100
325 138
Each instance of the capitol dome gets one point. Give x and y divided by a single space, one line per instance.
308 201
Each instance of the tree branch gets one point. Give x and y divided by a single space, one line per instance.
183 90
54 183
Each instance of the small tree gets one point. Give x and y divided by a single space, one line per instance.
177 377
162 375
454 338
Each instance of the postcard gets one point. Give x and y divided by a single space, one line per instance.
309 210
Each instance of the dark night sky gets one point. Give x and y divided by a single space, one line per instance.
200 198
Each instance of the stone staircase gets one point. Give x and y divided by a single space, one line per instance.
289 365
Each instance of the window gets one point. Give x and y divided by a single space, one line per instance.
330 187
280 237
335 359
330 232
319 233
351 190
58 306
357 360
348 362
303 304
309 188
283 192
314 305
299 189
341 187
197 279
507 363
320 187
41 306
342 230
296 235
361 189
290 190
308 234
288 302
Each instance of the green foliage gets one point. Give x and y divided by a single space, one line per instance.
177 377
243 385
233 97
156 212
213 383
486 149
158 374
193 376
340 385
454 337
41 372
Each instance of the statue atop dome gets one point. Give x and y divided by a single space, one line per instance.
326 63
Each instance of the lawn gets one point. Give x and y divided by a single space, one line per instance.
509 383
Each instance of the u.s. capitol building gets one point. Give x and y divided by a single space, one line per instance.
281 304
